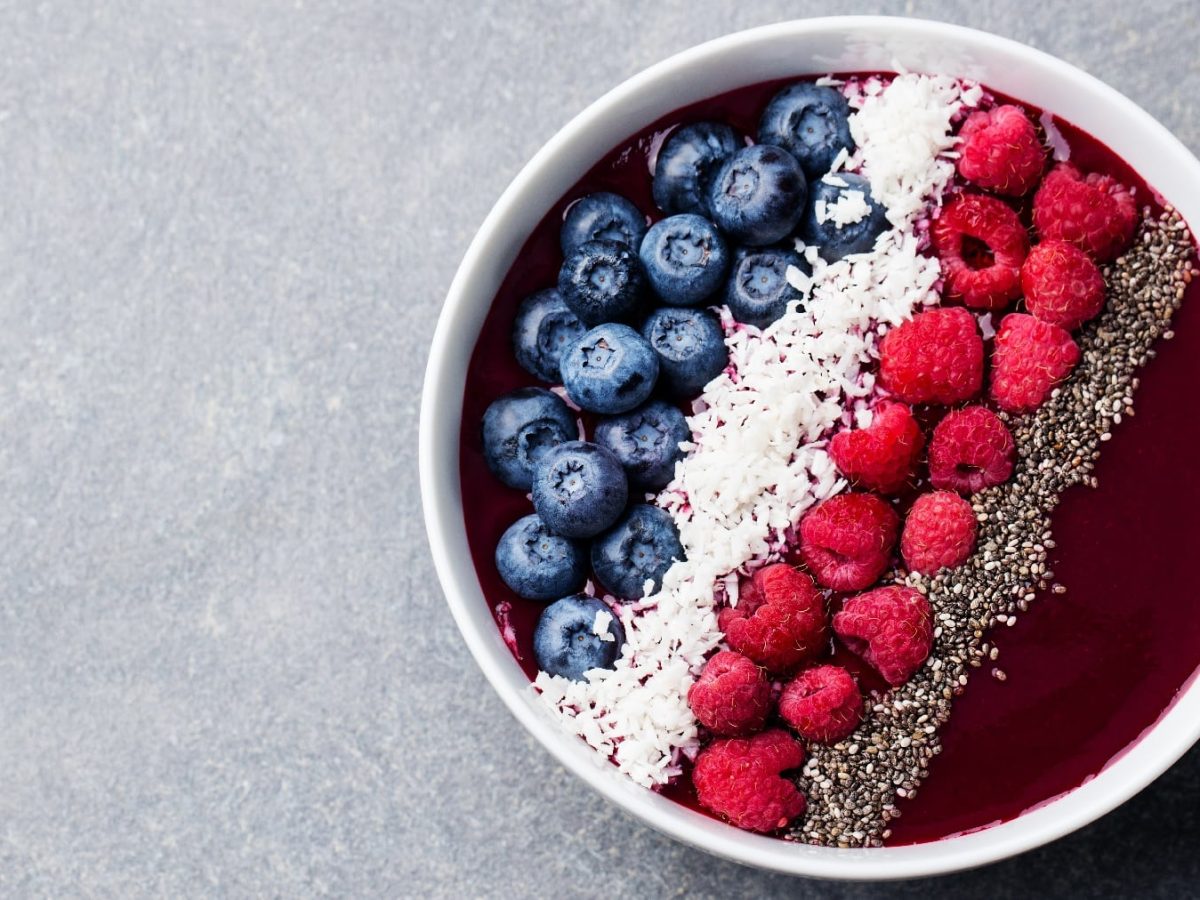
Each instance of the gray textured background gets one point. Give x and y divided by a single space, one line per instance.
225 665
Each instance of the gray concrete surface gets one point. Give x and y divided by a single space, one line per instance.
225 666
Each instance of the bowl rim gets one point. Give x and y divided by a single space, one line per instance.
1160 746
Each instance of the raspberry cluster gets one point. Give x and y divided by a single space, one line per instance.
1082 220
777 675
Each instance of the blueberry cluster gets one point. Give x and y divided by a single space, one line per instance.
628 333
583 521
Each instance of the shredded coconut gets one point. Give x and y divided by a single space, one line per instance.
839 162
757 458
507 632
799 280
903 137
851 207
600 626
986 326
1059 148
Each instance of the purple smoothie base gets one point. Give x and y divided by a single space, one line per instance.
1088 672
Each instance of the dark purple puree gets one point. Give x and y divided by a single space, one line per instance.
1087 672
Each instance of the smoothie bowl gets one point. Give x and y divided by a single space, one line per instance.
801 450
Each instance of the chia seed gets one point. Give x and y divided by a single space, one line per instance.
852 796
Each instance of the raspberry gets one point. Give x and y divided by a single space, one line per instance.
822 704
739 780
881 456
1000 151
1029 358
939 532
847 540
732 695
890 628
1062 285
936 357
971 449
779 621
1096 212
981 244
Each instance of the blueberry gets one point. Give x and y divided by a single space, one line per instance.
542 328
642 545
646 442
809 121
757 196
601 217
538 564
610 369
686 162
757 292
579 489
831 241
690 347
685 259
602 281
519 428
565 642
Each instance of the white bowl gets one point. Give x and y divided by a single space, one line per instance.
807 47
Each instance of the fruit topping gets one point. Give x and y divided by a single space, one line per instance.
847 540
575 635
939 532
685 259
1000 151
822 704
811 122
1095 212
883 456
981 245
543 327
757 291
757 196
1062 285
640 547
971 449
538 564
686 163
779 620
690 347
579 489
519 427
602 217
936 357
842 217
602 281
739 779
610 369
890 628
732 696
646 442
1029 360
